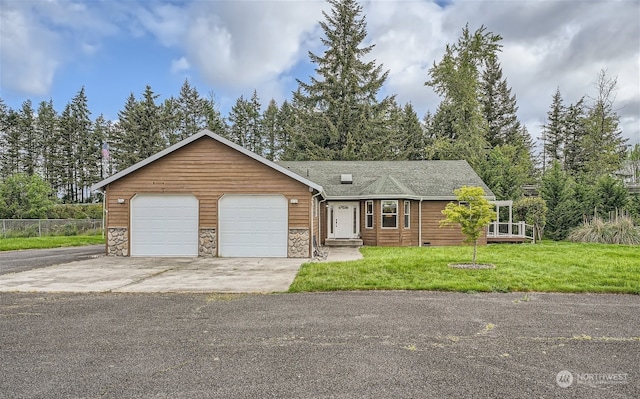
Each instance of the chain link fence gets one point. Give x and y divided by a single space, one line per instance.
49 227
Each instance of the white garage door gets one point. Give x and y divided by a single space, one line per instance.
164 225
253 226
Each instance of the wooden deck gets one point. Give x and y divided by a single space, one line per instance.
508 239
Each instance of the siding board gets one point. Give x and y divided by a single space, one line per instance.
208 169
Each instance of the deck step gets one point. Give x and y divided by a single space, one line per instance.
343 242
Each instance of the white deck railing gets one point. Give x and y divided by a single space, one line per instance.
511 230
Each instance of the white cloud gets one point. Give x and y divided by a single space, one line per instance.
239 46
245 44
180 65
37 38
166 22
546 44
27 51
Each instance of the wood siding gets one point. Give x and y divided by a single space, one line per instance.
432 233
207 169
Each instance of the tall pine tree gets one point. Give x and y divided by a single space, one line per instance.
272 131
49 133
338 111
553 135
30 141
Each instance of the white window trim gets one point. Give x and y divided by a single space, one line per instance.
367 214
382 214
407 212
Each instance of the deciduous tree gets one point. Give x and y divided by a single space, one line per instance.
472 212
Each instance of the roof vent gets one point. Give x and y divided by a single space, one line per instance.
346 179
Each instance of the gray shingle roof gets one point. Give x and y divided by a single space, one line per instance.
389 179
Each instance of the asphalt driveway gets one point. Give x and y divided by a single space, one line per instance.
19 261
323 345
132 274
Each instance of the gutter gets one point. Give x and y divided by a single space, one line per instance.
397 196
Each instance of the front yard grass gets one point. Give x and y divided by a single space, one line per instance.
9 244
542 267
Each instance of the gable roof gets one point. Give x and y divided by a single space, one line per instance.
428 180
191 139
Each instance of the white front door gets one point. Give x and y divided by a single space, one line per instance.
344 220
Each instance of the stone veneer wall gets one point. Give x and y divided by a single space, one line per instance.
298 243
207 243
118 241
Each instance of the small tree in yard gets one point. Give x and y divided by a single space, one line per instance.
533 210
473 212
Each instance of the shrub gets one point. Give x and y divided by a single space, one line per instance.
76 211
618 230
533 210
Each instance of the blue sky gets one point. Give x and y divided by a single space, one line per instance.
51 48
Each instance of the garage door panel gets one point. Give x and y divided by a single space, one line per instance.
253 226
164 225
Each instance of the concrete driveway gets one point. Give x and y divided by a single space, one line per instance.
126 274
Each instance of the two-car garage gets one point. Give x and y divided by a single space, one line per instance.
207 196
248 225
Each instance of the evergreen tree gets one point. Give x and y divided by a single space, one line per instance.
215 122
505 172
500 110
239 117
287 123
138 134
49 133
610 196
393 144
338 110
87 149
29 139
10 144
558 191
510 163
125 142
67 172
193 111
170 116
148 129
255 139
77 150
460 126
101 133
574 155
498 106
553 136
272 131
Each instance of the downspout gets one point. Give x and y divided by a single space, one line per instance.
313 205
420 224
104 221
104 212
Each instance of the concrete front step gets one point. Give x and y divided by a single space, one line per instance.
343 242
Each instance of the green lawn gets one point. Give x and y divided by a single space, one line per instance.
543 267
8 244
